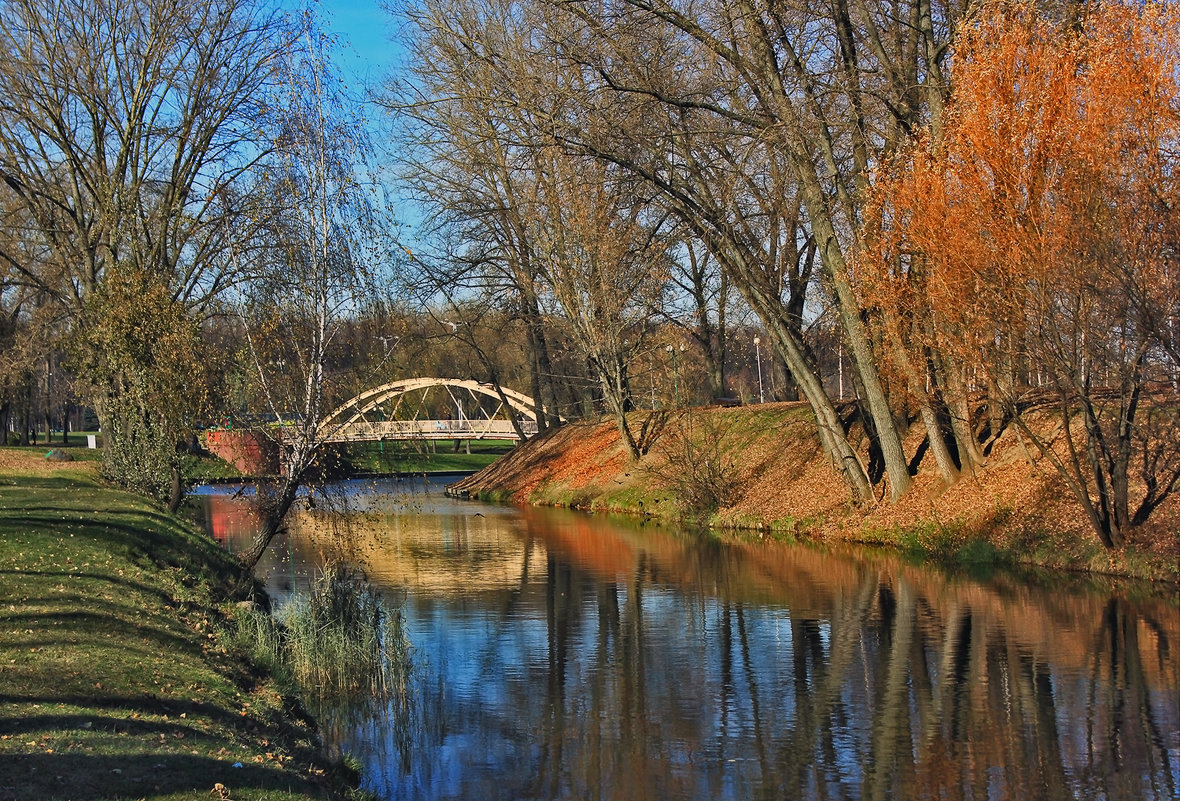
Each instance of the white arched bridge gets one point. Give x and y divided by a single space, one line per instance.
402 410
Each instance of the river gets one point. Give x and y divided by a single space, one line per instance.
564 656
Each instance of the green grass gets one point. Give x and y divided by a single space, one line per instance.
635 499
949 543
77 441
207 468
115 681
494 496
423 457
374 457
76 448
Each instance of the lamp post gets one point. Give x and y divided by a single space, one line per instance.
675 375
758 360
840 367
49 400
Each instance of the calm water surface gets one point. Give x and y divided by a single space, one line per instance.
562 656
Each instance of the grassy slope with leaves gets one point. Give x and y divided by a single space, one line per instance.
115 681
1015 510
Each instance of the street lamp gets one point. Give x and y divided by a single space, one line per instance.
840 367
758 360
675 371
675 374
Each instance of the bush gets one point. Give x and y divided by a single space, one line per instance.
696 466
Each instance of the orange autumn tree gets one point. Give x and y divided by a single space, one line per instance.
1034 241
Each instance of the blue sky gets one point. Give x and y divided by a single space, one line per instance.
365 29
367 55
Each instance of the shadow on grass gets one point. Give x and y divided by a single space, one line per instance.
97 627
149 704
81 777
32 725
191 553
119 583
34 482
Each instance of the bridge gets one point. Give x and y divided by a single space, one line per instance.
394 411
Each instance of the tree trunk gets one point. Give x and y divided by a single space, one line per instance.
535 381
711 337
24 418
708 337
995 407
959 407
614 387
860 348
718 350
511 415
540 366
789 343
831 429
272 522
176 491
916 384
1132 387
627 435
788 390
934 434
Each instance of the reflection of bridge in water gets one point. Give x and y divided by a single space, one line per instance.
394 411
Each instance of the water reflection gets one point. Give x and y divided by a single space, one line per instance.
564 656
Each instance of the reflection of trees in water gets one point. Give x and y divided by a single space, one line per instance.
886 696
1122 732
629 665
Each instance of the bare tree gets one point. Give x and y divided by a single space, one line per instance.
126 128
758 127
467 159
327 255
700 305
729 182
829 90
605 264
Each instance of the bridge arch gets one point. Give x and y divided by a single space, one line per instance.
356 411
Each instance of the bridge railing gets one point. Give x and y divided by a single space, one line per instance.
360 431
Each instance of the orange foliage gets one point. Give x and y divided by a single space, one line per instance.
1040 226
1055 180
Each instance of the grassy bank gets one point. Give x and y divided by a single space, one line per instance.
377 458
117 680
424 457
760 471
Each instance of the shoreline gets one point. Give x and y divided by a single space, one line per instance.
220 481
1015 510
120 675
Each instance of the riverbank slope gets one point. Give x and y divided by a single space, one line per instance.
116 680
774 480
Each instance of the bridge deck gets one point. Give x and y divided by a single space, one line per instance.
364 431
